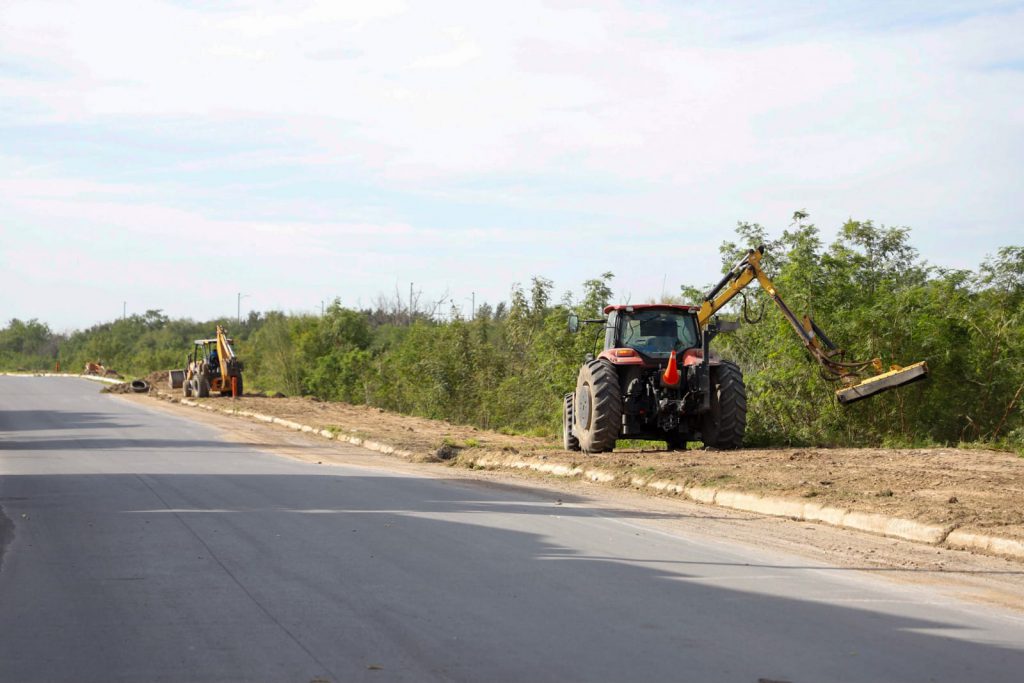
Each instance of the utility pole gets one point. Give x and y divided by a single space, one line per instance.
238 313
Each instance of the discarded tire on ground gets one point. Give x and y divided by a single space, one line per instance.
140 386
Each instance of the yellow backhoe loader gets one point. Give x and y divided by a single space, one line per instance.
212 367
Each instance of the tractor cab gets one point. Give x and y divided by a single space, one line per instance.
206 351
654 331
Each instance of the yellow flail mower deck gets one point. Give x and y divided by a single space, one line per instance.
894 378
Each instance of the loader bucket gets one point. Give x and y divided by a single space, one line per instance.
900 377
176 378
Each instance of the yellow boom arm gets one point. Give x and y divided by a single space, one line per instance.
814 340
224 351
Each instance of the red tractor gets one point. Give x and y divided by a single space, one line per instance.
658 379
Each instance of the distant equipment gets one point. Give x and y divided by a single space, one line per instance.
211 367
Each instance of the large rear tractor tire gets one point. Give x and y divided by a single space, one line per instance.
726 422
569 440
597 407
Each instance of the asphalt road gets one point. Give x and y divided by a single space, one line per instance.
137 546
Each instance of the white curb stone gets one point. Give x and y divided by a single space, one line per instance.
992 544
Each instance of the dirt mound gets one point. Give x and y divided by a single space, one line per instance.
158 378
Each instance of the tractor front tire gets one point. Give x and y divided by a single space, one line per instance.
597 407
726 421
203 387
569 440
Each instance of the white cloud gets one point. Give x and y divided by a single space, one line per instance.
661 122
462 52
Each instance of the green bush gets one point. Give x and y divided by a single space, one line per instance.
508 368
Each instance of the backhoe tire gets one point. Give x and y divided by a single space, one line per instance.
203 387
569 440
726 421
241 389
597 407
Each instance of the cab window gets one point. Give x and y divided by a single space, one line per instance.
657 332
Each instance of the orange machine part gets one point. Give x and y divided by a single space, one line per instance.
692 357
671 375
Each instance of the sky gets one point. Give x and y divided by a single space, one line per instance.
175 155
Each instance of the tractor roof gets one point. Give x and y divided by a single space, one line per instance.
640 307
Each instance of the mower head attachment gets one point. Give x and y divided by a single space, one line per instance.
897 377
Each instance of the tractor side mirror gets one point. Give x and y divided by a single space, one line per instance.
574 323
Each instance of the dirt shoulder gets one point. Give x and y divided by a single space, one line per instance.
972 491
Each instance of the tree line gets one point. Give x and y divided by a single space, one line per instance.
507 366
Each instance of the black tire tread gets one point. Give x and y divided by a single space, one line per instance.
606 407
203 390
569 440
726 432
